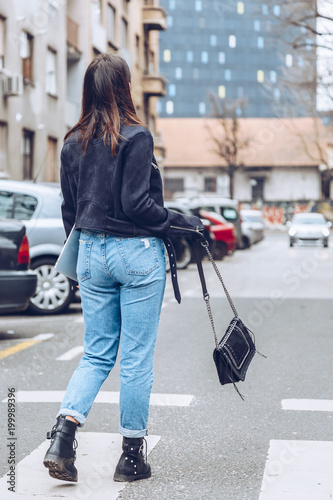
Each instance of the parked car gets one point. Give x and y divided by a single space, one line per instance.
309 228
17 282
225 236
229 209
39 207
253 227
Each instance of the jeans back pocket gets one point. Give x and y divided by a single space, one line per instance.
139 255
83 261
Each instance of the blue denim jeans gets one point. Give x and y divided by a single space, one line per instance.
122 283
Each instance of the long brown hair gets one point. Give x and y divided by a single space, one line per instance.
106 101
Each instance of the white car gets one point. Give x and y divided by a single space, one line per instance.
252 225
309 228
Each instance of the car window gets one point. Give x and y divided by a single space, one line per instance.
309 220
230 214
6 204
24 206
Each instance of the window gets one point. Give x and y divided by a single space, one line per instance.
260 76
202 23
51 72
308 44
169 107
172 4
264 9
260 42
26 50
202 108
2 42
17 205
169 21
240 92
277 94
227 75
124 33
167 55
172 89
276 10
204 57
210 184
289 60
97 11
189 56
256 25
213 40
111 23
27 152
240 8
221 57
221 92
172 185
195 73
232 41
178 73
52 159
257 189
3 147
300 61
198 5
272 76
137 50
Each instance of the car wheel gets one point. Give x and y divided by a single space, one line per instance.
183 254
220 250
54 291
325 244
246 242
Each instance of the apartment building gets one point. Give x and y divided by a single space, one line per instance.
45 47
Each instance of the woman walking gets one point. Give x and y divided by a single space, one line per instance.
112 193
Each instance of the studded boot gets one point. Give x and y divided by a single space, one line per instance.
61 455
133 463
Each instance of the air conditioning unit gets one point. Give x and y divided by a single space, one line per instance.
12 85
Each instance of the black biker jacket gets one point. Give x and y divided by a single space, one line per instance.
119 194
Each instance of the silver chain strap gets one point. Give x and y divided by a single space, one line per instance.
205 245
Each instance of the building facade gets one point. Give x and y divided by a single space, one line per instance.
45 47
232 50
281 162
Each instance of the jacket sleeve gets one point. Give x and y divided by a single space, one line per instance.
68 206
135 198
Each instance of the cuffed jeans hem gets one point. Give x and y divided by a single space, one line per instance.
72 413
129 433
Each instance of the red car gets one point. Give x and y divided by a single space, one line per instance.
223 234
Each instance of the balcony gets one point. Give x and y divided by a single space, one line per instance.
154 85
154 16
73 51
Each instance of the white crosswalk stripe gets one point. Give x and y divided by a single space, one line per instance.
71 354
299 470
97 457
108 397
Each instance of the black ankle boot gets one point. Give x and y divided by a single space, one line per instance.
133 464
60 456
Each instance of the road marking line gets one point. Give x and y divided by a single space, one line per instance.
45 319
298 470
108 397
25 344
307 404
71 354
97 457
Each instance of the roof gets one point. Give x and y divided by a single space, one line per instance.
273 142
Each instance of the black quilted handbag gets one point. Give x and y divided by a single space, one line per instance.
235 351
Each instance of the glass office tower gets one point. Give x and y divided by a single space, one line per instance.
233 50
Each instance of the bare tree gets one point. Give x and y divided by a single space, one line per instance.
227 137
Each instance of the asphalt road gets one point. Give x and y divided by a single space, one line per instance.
216 447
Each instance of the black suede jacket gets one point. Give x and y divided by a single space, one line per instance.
120 194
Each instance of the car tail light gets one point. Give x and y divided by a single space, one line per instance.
23 254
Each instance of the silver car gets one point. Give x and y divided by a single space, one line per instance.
39 206
309 228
